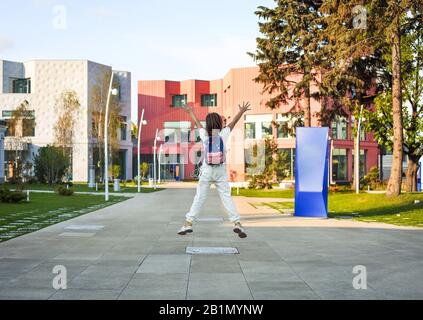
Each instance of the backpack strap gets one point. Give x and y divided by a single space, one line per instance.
210 144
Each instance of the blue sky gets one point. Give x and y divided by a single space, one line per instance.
155 39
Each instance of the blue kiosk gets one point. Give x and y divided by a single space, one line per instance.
311 172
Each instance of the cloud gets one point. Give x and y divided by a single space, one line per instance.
5 43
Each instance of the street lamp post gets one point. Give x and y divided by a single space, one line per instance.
142 121
154 157
357 154
160 156
106 155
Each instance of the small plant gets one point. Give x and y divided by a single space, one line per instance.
11 196
144 169
114 171
372 178
63 191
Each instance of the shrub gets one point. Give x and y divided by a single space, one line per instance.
63 191
50 164
11 196
372 178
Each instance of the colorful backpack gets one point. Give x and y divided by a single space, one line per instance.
215 153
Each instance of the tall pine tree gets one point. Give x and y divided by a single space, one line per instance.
288 46
358 30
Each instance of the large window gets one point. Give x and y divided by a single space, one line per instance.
197 132
179 100
123 128
362 168
177 132
289 154
28 127
209 100
258 126
21 85
23 126
250 130
266 129
339 165
340 129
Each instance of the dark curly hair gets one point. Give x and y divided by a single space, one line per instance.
213 122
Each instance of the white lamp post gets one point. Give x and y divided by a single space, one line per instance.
154 157
106 155
142 121
357 155
160 156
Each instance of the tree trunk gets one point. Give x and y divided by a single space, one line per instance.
394 184
411 175
306 106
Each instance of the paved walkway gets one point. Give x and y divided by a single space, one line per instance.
131 251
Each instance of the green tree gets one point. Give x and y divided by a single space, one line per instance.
144 169
358 30
68 107
19 128
50 164
289 46
269 165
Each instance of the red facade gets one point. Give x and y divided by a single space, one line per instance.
155 97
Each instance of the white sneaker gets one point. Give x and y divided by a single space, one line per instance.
238 228
186 228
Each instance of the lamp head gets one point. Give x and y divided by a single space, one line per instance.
144 122
115 92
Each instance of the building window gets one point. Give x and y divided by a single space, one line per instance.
177 131
21 85
28 127
289 154
10 128
258 126
123 128
179 100
340 129
209 100
363 168
250 130
339 165
197 132
266 129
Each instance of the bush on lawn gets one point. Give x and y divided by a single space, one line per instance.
63 191
11 196
50 164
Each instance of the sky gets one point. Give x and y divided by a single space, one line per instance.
155 39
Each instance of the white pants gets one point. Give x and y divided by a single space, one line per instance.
218 176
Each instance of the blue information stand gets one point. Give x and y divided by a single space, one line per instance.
419 177
311 172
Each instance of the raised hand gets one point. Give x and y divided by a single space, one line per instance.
245 107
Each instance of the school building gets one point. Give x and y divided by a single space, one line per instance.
181 150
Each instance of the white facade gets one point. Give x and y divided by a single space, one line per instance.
2 131
48 79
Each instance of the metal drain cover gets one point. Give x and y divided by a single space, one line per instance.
82 227
210 219
212 250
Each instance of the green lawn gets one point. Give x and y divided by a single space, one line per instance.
83 187
271 193
45 209
372 208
